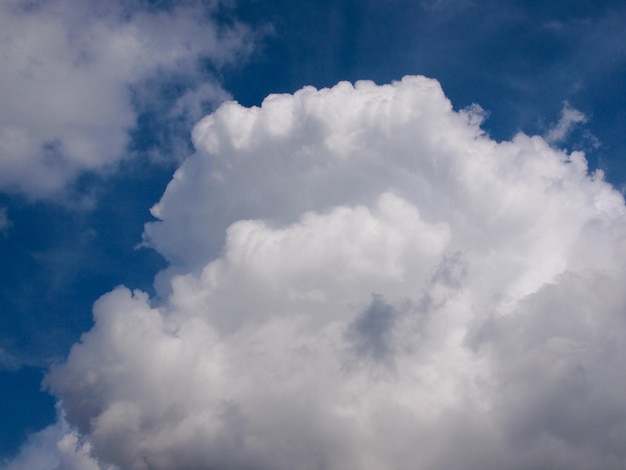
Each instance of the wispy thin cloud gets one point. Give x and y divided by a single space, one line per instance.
5 222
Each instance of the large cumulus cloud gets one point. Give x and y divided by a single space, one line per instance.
361 278
67 71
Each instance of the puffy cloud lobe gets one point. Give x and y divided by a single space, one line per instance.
57 447
313 150
68 66
363 279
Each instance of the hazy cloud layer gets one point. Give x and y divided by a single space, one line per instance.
362 279
68 68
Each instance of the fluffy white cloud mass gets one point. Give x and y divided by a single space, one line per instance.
67 69
361 278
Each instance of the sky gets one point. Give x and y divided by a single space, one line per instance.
278 234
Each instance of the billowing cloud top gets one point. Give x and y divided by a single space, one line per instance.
361 278
67 69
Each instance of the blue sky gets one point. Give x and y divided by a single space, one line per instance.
100 106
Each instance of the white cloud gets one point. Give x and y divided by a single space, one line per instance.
561 129
362 279
58 447
65 81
